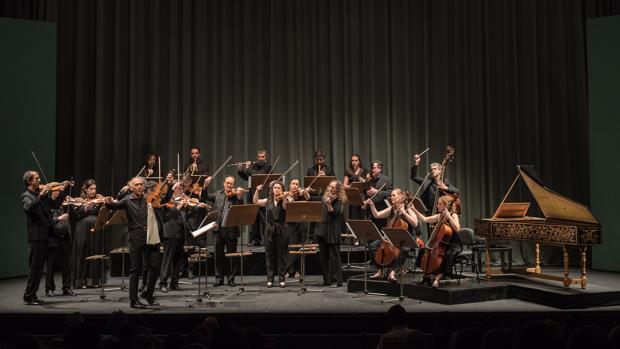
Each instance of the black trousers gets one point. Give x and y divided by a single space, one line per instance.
223 265
37 257
62 255
295 236
172 261
276 253
329 256
142 256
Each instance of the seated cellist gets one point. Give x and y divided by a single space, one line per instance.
398 216
444 243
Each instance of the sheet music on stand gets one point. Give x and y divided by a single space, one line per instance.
354 196
364 230
236 216
400 238
300 212
319 183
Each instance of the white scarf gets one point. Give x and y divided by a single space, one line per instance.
152 231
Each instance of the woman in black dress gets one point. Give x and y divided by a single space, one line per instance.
85 242
276 237
328 233
355 173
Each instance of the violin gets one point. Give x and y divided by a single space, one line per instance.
55 186
234 192
77 202
190 202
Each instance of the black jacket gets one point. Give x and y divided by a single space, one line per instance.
39 221
221 204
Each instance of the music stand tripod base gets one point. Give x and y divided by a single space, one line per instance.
303 251
102 296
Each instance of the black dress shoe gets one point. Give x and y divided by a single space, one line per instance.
218 283
49 293
137 304
151 301
163 288
231 283
68 292
33 301
176 288
190 275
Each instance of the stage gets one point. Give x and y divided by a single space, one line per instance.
281 311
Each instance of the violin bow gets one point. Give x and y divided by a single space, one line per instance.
39 165
270 172
287 171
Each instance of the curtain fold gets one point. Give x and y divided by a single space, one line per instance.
505 82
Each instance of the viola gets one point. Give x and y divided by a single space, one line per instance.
161 188
234 192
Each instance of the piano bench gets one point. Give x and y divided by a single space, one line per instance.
503 250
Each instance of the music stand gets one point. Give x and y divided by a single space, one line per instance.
364 230
300 212
319 183
400 238
205 226
358 185
354 197
237 216
105 217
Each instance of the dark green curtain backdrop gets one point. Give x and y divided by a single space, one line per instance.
503 81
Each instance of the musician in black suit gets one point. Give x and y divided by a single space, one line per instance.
141 250
196 167
37 206
319 168
379 188
430 186
225 237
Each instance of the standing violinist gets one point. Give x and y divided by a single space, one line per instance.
85 242
449 226
37 206
320 168
173 216
295 230
225 237
276 239
59 250
429 187
398 216
328 233
140 250
245 171
193 217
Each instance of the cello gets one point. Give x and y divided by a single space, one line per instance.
387 253
435 249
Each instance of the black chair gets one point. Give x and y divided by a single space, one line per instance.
466 257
